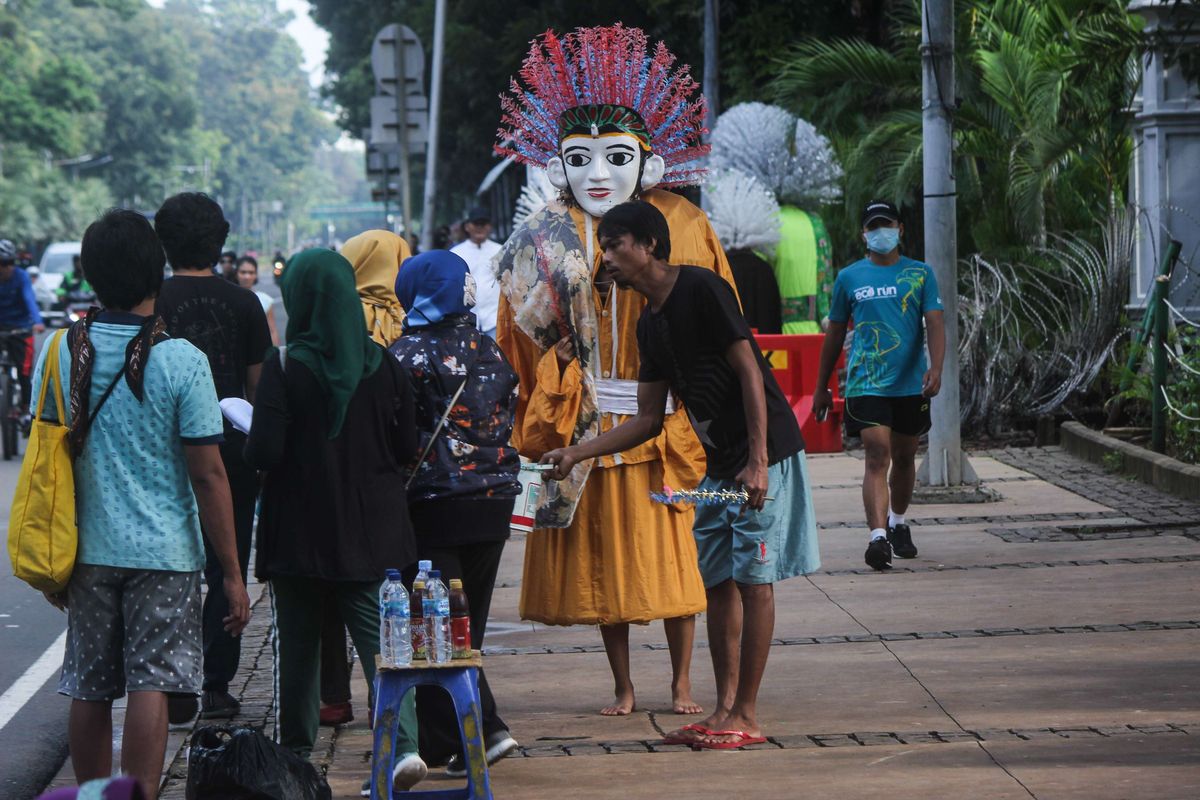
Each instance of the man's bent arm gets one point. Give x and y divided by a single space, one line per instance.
753 476
211 486
641 427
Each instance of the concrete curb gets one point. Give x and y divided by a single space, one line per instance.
1163 472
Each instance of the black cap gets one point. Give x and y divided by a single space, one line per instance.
879 209
479 214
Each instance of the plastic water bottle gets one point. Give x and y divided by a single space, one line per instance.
417 621
437 619
460 620
395 646
423 568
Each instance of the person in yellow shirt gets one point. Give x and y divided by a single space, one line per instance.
601 552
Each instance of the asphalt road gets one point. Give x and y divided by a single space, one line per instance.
33 716
33 740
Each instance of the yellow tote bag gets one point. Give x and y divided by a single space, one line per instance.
42 531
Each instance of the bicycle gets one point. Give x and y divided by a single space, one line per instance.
10 392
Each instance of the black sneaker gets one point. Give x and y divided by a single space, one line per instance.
900 538
219 705
879 554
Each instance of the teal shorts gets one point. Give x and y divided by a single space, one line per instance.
757 547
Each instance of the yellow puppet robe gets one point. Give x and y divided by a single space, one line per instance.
624 558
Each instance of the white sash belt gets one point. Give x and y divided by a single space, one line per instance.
616 396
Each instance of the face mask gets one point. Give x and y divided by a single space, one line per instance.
883 240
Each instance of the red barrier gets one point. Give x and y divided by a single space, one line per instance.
795 358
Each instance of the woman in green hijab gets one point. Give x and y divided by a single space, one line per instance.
333 427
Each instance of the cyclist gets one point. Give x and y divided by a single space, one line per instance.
18 310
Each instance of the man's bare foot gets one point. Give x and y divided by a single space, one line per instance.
681 700
623 704
695 731
731 722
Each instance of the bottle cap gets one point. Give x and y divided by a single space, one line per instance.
393 574
425 565
455 583
435 573
418 585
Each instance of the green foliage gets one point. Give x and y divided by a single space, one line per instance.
1041 138
206 95
1183 431
1113 461
486 42
1183 390
254 104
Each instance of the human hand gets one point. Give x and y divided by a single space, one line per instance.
931 384
563 459
822 402
564 351
753 478
56 599
239 605
39 327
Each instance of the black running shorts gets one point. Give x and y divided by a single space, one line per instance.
905 415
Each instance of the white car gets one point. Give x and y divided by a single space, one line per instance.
56 263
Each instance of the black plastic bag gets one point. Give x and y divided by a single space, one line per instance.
242 764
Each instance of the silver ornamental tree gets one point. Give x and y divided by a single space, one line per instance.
783 152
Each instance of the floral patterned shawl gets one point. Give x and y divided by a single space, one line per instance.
544 272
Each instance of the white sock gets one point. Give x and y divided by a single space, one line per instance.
878 533
894 519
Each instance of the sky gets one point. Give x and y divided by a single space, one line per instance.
313 39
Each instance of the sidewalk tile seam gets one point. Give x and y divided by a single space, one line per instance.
871 739
907 636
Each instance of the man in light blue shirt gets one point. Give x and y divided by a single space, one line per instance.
144 428
894 303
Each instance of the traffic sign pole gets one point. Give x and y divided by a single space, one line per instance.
435 105
402 137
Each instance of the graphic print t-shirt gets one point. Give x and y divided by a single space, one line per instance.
684 344
888 305
225 321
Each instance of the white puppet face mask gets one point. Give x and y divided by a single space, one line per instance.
602 170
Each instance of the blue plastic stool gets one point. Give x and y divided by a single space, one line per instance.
460 679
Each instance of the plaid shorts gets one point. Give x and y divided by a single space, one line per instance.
132 630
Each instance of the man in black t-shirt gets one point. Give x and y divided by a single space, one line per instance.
695 342
226 322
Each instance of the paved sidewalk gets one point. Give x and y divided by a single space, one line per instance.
1045 645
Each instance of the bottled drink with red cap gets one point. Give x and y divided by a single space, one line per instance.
460 620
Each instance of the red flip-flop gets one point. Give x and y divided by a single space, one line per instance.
695 726
742 740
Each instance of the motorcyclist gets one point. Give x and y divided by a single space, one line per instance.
74 287
18 311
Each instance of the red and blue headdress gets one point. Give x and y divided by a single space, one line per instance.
604 75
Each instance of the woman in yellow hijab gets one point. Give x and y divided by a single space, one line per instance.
376 257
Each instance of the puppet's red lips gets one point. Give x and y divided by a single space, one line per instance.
599 194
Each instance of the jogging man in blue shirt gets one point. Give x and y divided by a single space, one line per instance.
18 311
889 382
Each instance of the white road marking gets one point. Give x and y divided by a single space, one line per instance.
26 686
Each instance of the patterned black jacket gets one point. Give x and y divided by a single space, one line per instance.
472 457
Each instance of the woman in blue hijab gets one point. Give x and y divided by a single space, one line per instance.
462 488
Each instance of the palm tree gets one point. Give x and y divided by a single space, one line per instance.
1041 136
